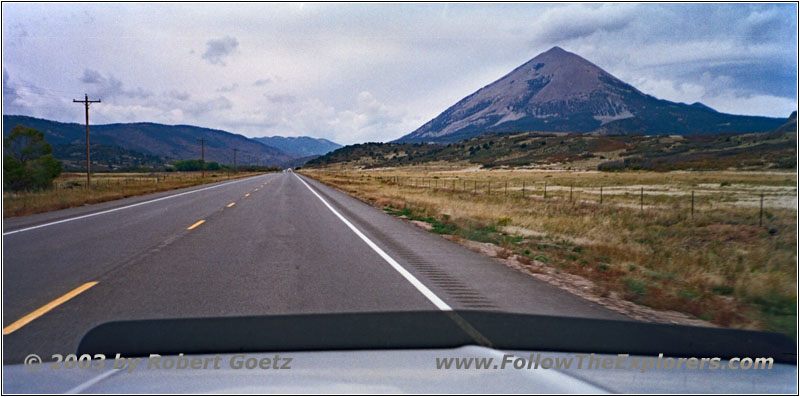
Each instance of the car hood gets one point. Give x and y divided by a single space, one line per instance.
389 372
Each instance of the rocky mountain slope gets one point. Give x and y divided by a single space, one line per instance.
558 91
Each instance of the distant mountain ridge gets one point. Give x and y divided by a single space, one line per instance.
171 142
300 145
558 91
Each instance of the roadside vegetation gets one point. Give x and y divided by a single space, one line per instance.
28 161
69 190
727 261
33 182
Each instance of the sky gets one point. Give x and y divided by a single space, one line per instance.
356 73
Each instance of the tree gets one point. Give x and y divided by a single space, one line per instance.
28 161
187 165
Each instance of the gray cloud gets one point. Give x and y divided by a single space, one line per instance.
179 95
280 98
9 92
574 21
218 49
110 87
92 77
209 106
228 88
262 82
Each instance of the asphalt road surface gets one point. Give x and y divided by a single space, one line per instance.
270 244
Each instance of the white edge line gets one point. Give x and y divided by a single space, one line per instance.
121 208
439 303
91 382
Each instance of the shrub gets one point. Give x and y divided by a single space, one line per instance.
28 161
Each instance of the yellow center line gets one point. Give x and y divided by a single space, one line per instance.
247 194
196 224
46 308
231 205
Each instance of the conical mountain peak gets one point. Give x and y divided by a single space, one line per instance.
558 90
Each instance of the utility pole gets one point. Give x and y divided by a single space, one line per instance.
86 103
234 160
202 157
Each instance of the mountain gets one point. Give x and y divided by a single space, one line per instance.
790 125
170 142
558 91
301 145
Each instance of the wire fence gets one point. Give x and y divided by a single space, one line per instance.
101 180
636 197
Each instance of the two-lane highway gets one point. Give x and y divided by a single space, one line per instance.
271 244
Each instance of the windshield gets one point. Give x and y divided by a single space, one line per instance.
630 164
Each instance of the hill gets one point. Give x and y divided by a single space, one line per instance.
146 141
558 91
772 150
301 145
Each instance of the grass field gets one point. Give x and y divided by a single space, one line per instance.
69 190
694 242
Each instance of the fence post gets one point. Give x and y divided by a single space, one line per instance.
545 189
692 204
641 200
523 189
601 195
761 211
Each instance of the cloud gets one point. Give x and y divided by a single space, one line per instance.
218 49
228 88
369 120
209 106
179 95
92 77
575 21
280 98
368 72
10 94
110 87
718 93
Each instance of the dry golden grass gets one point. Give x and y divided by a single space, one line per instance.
717 264
69 190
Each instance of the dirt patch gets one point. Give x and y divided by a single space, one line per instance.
523 231
540 235
423 225
580 286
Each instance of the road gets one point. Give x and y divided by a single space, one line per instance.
270 244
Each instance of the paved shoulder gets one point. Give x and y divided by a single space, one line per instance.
462 278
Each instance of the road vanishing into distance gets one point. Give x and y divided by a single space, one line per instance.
270 244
